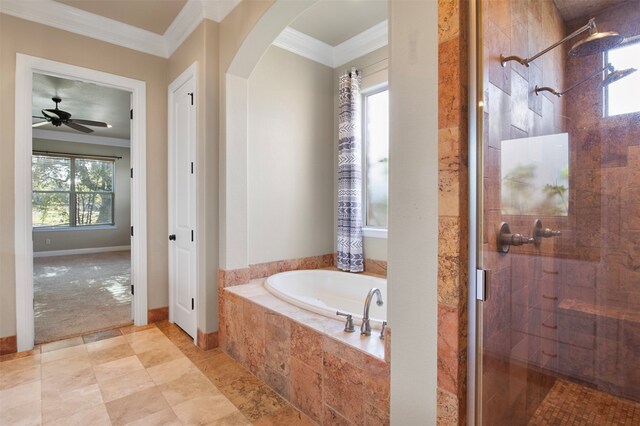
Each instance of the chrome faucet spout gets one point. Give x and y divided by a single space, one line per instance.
365 328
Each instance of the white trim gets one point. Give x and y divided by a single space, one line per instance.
190 73
25 67
361 44
374 232
219 9
52 135
301 44
74 228
306 46
183 25
80 251
78 21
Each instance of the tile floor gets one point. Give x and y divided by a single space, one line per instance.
576 405
150 375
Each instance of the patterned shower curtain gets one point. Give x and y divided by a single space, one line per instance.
349 257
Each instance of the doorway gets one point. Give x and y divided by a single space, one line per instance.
26 67
81 207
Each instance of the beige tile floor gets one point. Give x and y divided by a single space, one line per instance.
151 375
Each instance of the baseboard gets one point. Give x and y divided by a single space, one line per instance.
157 315
80 251
8 345
207 341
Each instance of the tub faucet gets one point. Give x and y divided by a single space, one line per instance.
365 328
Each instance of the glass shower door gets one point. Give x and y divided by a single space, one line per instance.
559 185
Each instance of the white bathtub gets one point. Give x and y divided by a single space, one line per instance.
325 292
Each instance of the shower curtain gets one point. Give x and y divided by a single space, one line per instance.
349 245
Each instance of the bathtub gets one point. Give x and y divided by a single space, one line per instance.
325 292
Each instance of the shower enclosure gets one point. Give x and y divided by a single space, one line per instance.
557 112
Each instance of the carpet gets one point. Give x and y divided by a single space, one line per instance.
79 294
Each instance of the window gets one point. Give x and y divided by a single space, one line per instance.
623 96
71 191
376 161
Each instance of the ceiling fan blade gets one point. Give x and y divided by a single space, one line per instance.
78 127
88 122
50 113
35 116
42 123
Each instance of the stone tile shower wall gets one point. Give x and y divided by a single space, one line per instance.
599 251
519 316
452 210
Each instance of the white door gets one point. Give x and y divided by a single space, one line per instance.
182 203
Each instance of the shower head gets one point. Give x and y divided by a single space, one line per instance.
595 43
614 76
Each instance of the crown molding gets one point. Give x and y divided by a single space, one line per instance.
301 44
218 10
366 42
183 25
59 15
306 46
53 135
78 21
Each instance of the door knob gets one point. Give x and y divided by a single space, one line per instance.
172 237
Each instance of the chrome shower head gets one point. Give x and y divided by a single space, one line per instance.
614 76
595 43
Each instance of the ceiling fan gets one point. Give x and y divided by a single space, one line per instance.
57 117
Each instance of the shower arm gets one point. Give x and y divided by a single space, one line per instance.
537 89
591 25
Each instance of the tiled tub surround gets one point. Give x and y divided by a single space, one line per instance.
227 278
332 376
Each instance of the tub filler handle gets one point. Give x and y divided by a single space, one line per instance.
348 326
384 324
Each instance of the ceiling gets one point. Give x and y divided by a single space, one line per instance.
336 21
572 9
150 15
86 101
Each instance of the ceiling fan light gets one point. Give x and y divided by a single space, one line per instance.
109 125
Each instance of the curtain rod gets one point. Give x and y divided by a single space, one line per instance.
361 69
70 154
375 63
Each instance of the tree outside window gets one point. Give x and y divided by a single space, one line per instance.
72 191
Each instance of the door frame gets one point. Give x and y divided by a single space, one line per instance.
476 194
190 73
25 67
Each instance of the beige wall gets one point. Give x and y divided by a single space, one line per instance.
20 36
374 67
290 151
70 238
202 46
413 211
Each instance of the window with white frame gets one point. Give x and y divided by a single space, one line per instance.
376 157
623 96
72 191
